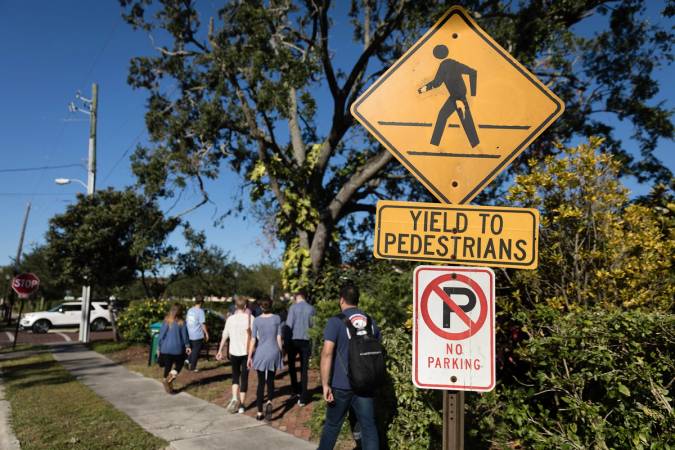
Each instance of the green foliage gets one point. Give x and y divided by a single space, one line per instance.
385 294
37 261
250 79
595 247
134 322
585 342
595 378
214 324
106 238
413 416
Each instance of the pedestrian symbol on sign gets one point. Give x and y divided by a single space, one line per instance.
456 108
450 74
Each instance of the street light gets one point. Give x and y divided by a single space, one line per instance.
64 181
86 290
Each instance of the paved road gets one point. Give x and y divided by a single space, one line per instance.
53 337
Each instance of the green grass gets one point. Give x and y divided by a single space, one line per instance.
107 347
53 411
22 347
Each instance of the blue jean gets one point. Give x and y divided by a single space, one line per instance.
364 407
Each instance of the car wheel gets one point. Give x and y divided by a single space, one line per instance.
41 326
99 325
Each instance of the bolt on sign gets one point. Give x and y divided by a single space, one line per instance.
454 328
474 235
456 109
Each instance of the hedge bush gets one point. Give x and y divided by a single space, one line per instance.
592 379
134 322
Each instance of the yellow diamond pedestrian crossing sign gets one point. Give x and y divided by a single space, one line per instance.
456 109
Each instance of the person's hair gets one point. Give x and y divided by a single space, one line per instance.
350 293
240 302
175 314
266 305
302 293
199 300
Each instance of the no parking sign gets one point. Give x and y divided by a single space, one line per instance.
453 328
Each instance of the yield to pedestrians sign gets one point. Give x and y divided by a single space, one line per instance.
456 109
463 234
454 328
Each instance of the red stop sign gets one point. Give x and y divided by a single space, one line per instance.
25 284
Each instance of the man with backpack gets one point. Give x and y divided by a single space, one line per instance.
352 366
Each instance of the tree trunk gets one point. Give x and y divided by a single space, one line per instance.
319 243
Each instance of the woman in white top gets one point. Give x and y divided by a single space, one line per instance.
238 331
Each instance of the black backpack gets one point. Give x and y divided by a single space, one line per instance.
366 358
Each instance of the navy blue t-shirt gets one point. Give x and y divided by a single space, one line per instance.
336 331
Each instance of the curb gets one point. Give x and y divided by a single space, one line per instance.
8 440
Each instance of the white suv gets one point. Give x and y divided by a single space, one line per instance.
66 315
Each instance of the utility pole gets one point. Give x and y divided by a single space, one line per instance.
17 262
91 187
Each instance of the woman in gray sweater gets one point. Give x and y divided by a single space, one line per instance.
265 358
173 345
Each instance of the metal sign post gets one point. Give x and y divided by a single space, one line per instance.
453 420
25 285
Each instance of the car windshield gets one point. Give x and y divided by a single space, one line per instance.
56 308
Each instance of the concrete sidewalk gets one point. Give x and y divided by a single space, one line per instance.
8 440
186 422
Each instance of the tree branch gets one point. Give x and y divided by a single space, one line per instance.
294 128
369 169
325 57
383 31
205 199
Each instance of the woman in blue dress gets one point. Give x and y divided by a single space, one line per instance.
265 357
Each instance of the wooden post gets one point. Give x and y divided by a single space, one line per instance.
453 420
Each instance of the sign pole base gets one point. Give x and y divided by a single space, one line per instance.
453 420
16 330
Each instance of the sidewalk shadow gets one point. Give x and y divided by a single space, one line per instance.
204 381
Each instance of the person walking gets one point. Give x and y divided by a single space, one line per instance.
238 331
300 319
197 331
265 358
173 345
352 365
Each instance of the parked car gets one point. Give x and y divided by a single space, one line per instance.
66 315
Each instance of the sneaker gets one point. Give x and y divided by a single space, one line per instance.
268 412
259 416
241 410
232 406
187 362
195 371
301 403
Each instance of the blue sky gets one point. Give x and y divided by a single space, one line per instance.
65 47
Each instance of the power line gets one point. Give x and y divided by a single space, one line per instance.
134 141
31 169
126 152
25 194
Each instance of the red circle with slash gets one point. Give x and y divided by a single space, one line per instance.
435 287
